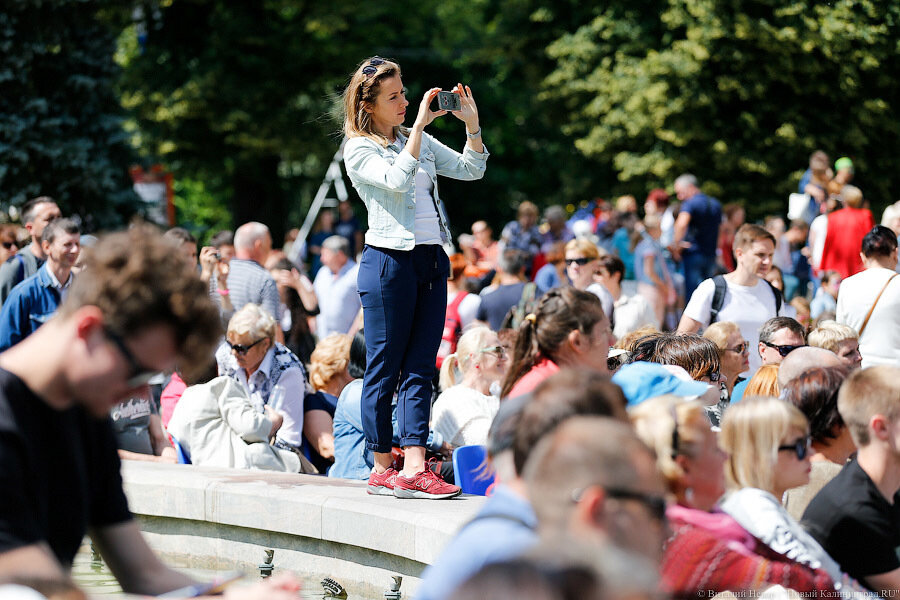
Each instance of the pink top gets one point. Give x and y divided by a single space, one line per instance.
543 369
170 397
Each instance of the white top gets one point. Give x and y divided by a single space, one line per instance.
817 230
219 427
631 313
880 342
463 416
747 306
428 226
338 299
467 309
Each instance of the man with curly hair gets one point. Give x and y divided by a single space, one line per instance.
136 309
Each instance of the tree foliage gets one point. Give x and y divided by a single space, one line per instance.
739 92
60 122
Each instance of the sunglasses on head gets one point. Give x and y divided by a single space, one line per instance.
578 261
499 351
241 349
372 68
801 447
784 350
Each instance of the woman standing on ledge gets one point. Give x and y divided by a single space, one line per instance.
404 269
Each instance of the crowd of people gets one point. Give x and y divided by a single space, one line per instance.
672 402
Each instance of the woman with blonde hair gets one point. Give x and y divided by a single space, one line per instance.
768 446
328 375
463 412
403 269
582 264
734 351
689 459
764 382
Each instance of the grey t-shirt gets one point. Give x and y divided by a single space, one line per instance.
131 423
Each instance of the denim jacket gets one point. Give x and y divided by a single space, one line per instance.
385 178
30 304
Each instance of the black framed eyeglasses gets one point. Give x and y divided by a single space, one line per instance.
372 68
740 348
578 261
138 374
784 350
656 505
800 447
241 349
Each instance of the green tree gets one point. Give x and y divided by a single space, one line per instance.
738 92
60 122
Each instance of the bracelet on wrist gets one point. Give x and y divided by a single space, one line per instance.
473 135
222 292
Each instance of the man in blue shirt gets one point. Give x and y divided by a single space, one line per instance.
34 301
696 232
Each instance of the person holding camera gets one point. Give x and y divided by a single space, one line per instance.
403 269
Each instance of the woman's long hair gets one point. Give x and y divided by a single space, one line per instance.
559 312
363 90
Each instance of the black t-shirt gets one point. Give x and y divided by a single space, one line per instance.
495 304
855 524
59 473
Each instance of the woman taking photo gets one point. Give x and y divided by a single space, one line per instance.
403 270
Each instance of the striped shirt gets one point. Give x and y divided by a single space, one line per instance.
249 283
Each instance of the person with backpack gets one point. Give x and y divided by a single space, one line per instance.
742 296
512 293
36 213
461 308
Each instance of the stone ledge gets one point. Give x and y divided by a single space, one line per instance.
223 517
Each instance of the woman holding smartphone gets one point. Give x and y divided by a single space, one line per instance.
404 269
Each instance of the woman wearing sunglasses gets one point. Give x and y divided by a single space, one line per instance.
734 353
582 264
768 446
271 374
689 458
470 378
403 269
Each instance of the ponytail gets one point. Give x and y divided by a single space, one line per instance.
448 371
525 354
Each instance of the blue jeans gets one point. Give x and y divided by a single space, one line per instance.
697 267
404 300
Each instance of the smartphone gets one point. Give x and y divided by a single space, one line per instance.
448 101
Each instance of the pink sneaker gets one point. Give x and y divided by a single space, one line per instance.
382 484
426 485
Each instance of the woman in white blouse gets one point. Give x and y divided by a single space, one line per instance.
465 409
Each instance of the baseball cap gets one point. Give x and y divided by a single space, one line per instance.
644 380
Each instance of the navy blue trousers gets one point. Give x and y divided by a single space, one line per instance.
404 301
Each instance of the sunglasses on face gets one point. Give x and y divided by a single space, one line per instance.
656 505
499 351
578 261
372 68
801 447
240 349
740 348
784 350
9 245
138 374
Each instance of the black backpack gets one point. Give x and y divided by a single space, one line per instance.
719 297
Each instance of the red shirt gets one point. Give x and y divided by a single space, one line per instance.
543 369
843 242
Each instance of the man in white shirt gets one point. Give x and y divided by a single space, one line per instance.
879 338
335 287
749 300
